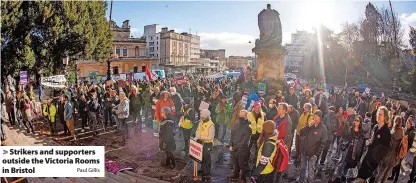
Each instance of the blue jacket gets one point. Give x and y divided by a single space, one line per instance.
68 113
252 97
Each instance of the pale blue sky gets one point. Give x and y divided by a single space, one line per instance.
231 25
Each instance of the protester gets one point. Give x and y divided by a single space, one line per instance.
186 123
272 110
223 111
69 116
256 118
205 134
49 111
378 148
237 107
166 136
240 138
264 171
122 112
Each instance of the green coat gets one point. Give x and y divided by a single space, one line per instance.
223 117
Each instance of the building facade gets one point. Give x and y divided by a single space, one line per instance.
152 36
129 55
296 51
174 48
238 62
213 54
195 47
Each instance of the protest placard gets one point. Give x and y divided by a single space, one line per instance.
195 150
203 105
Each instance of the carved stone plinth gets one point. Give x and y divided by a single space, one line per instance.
271 66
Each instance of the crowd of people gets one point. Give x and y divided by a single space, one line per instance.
312 130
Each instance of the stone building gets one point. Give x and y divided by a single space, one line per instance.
296 51
129 55
213 54
238 62
195 47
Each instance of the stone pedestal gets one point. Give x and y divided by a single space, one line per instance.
271 66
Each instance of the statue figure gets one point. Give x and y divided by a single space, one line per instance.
270 29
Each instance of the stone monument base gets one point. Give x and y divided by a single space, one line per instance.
271 67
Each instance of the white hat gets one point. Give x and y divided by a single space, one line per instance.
205 113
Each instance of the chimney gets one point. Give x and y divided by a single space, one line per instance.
125 24
164 29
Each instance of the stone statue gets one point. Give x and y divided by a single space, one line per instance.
270 29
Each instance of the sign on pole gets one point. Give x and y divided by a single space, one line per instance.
195 150
23 78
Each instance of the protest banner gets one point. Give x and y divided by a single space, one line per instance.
195 150
203 105
262 87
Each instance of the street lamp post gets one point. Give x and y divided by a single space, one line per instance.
108 60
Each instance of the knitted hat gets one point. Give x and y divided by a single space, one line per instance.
205 113
269 126
318 113
257 104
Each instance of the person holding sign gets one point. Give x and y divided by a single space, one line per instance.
240 138
166 137
205 134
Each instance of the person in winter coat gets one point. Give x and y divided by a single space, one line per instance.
410 132
314 137
366 130
83 110
236 108
331 123
391 159
61 109
122 110
283 124
294 117
49 110
378 148
264 171
292 98
136 105
26 110
252 98
93 110
362 106
284 127
147 106
186 122
354 141
272 110
305 99
305 118
10 102
373 104
256 118
321 100
223 111
69 116
166 136
240 139
205 135
177 101
164 101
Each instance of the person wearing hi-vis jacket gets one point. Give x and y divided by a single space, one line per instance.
264 170
205 134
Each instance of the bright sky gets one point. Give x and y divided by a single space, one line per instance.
231 25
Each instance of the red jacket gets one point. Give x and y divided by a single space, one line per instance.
161 104
284 128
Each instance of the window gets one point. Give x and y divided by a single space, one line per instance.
135 68
115 70
151 37
124 52
143 68
157 55
151 43
118 51
157 37
152 49
157 43
157 48
151 55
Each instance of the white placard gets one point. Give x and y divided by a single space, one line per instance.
203 105
52 161
195 150
57 81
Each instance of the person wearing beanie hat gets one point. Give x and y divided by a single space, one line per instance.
264 170
314 137
205 134
305 118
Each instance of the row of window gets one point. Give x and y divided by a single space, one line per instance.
135 69
122 52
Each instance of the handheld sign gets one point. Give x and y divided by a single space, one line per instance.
23 77
195 150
